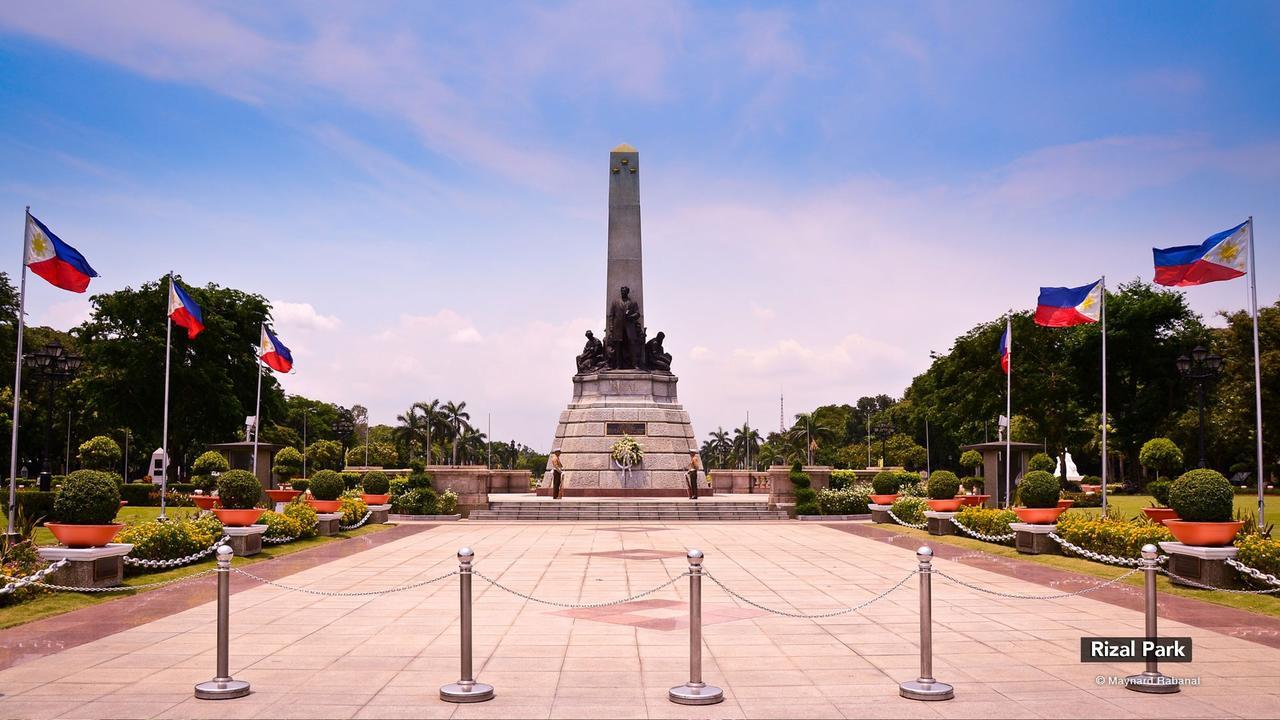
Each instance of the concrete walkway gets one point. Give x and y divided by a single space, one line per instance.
386 656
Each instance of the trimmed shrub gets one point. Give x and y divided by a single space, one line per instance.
910 509
1092 480
88 497
1110 536
988 521
910 485
300 484
843 479
303 514
1160 492
324 455
1041 461
447 504
140 494
380 454
1161 455
353 508
1039 489
806 497
971 459
1202 496
173 538
375 482
350 480
844 501
1260 553
943 485
99 453
288 463
210 462
415 500
35 505
885 482
327 485
280 526
1082 500
238 490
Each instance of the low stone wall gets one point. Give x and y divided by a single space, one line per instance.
781 490
473 483
739 481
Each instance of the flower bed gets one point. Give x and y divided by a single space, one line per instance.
172 538
1259 553
1108 536
909 510
987 521
852 500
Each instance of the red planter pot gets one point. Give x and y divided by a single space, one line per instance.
1204 534
283 496
1039 516
884 499
83 536
375 499
1160 514
951 505
974 499
1091 488
238 518
1064 504
205 502
326 506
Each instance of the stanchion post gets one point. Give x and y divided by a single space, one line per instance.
695 692
1151 680
466 690
926 687
223 686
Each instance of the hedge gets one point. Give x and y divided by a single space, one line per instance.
1122 538
33 503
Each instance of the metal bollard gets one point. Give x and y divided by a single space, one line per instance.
1151 680
695 692
466 690
223 686
926 687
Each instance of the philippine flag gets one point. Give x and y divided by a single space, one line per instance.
1221 257
274 353
1004 350
184 311
1064 307
54 260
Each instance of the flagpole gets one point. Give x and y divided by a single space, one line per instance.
17 379
1008 413
1104 395
164 431
1257 375
257 405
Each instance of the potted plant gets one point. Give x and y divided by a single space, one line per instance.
238 495
1039 492
377 488
326 487
1204 502
1160 510
288 463
884 487
85 510
204 475
942 488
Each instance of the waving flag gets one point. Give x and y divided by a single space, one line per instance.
1223 256
184 311
54 260
1005 347
274 353
1064 307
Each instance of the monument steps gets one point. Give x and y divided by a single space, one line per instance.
676 511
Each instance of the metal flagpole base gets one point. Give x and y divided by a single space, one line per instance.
466 692
926 690
222 689
1156 683
695 694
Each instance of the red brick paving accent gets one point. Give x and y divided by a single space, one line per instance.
45 637
637 554
667 615
1262 629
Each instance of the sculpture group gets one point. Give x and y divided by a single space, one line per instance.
624 346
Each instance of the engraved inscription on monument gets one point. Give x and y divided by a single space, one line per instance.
624 428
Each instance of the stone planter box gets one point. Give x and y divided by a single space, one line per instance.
880 514
1205 565
88 567
939 523
327 523
1032 539
245 541
381 513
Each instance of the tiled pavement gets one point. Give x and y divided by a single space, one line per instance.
386 656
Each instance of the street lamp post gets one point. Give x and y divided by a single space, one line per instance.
1201 368
305 413
52 365
883 430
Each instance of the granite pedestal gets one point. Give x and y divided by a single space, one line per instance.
245 541
1032 539
880 513
939 523
381 513
1206 565
88 567
327 523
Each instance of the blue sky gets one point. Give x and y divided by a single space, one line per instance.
830 190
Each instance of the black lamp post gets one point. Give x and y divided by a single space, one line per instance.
51 366
343 428
883 429
1201 368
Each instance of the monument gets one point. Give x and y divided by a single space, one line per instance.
623 386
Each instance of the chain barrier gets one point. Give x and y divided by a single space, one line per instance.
345 593
176 562
1019 596
1101 557
898 520
278 541
578 606
16 584
983 536
808 616
121 588
1202 586
363 520
1254 573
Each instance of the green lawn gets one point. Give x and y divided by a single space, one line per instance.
126 515
1130 505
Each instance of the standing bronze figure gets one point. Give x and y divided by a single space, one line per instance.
624 333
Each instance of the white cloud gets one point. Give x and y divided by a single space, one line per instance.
301 316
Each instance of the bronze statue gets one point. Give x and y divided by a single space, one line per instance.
592 357
624 333
658 358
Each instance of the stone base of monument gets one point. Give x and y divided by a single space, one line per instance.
327 523
245 541
1204 565
97 567
608 405
380 514
880 513
1034 539
939 523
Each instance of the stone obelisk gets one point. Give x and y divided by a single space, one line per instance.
626 266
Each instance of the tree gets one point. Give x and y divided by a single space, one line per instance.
412 431
99 453
380 454
288 463
324 455
457 419
972 460
1161 455
746 446
720 446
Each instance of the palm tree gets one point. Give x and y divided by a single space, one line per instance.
473 444
411 429
458 420
746 445
809 433
720 445
769 455
432 422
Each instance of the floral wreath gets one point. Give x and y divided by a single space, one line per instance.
626 452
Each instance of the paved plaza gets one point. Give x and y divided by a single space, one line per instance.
310 656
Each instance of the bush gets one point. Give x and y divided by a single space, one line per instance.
1259 553
885 482
380 454
909 484
88 497
943 485
988 521
288 463
327 485
20 559
1161 455
1041 461
350 480
353 508
1092 480
210 462
140 494
173 538
1160 492
1111 536
910 510
35 505
204 483
280 526
375 482
303 514
238 490
300 484
415 501
1202 496
806 497
1081 500
1039 489
324 455
843 479
844 501
976 483
971 459
99 453
447 503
